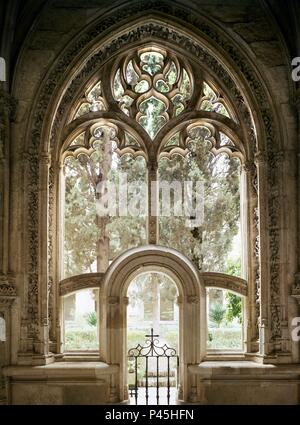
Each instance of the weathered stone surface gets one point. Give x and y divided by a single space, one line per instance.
256 30
268 52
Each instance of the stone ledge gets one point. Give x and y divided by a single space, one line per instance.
244 370
91 370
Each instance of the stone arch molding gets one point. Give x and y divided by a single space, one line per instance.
44 132
191 301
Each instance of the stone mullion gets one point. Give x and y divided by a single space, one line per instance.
153 203
264 322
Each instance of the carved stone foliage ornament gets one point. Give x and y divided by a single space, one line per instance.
7 291
296 287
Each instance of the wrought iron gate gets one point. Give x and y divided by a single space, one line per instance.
151 351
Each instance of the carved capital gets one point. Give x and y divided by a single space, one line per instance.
249 167
178 300
193 299
113 300
45 159
261 158
8 105
125 300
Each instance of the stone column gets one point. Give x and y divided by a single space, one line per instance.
251 260
42 346
296 286
55 251
191 356
297 104
7 112
7 288
153 203
7 297
264 292
282 260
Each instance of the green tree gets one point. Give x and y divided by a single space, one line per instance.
88 237
234 307
91 319
208 245
217 314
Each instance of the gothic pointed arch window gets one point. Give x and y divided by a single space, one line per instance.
153 154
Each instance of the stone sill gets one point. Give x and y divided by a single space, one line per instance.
226 369
215 355
78 356
89 370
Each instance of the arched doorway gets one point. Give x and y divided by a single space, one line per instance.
152 339
191 309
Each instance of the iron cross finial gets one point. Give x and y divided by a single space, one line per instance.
152 336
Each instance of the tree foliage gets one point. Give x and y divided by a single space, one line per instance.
208 245
81 227
217 314
234 307
91 318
